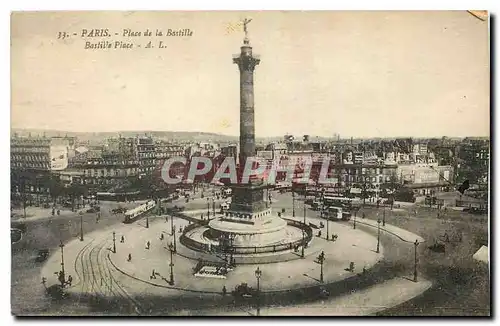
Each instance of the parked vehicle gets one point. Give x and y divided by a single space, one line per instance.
118 210
316 205
42 255
476 210
94 209
438 247
324 293
314 226
68 203
243 291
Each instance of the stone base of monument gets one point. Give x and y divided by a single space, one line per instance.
273 231
249 239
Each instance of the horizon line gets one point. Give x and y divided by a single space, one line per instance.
311 137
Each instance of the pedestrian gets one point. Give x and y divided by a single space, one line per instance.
58 212
61 278
129 257
161 236
363 215
148 244
224 290
122 240
70 280
351 267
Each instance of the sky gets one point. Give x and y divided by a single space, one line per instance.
357 74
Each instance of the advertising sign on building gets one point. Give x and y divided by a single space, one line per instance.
58 157
426 175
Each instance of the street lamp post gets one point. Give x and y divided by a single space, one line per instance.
81 227
364 190
114 242
172 227
231 258
354 225
322 214
383 218
305 207
327 222
171 248
321 260
147 222
175 243
303 231
62 278
378 236
258 274
293 203
415 271
303 243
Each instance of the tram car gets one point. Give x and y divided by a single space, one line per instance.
337 213
135 213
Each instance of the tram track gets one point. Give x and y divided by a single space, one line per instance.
96 278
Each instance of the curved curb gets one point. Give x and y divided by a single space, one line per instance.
392 233
301 288
220 293
158 285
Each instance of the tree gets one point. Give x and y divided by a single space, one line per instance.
56 188
75 191
405 195
21 180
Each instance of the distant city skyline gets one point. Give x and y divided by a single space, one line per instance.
357 74
297 137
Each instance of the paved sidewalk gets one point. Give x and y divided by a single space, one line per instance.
72 251
36 213
368 301
402 234
352 245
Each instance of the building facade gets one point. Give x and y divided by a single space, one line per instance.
34 159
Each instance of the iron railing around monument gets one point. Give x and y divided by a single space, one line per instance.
195 245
